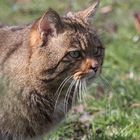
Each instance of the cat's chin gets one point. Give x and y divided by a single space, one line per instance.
91 78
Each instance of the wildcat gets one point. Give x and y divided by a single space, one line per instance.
43 66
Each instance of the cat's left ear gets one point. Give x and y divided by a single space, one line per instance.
50 22
48 25
86 14
89 13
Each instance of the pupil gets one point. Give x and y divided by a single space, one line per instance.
75 54
95 51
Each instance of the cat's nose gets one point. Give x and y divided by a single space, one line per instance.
94 67
91 66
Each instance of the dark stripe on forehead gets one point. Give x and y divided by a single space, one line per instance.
81 29
84 41
73 25
87 35
95 40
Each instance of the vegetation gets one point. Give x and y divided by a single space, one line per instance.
112 109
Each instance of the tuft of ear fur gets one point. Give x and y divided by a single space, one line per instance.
86 14
49 24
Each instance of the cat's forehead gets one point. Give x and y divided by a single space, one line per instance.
82 37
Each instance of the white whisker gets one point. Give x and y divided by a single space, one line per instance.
60 88
67 96
84 90
75 93
85 86
79 93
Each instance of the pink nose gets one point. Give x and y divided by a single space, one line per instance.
94 65
94 68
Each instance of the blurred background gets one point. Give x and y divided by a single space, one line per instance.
112 108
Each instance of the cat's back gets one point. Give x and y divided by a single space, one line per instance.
12 34
12 38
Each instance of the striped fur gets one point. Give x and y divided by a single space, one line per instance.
34 62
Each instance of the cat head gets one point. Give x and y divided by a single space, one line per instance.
66 46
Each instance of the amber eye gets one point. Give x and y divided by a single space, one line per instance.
75 54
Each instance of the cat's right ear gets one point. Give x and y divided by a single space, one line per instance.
49 24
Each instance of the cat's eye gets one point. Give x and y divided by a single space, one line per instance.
98 51
75 54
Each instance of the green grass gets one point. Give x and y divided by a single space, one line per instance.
112 107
